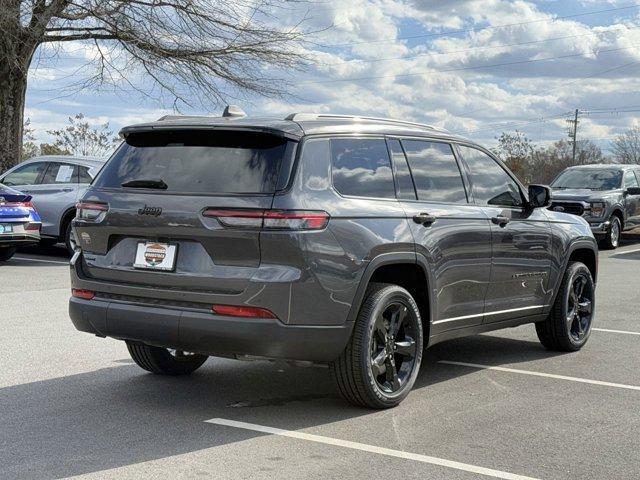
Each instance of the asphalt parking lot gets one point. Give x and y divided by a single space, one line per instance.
495 405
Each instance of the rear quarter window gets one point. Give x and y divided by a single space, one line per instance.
361 167
204 162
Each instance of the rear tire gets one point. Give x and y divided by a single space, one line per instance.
162 361
568 326
381 361
69 239
612 239
6 253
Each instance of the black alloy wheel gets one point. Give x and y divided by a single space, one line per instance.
568 326
393 347
380 363
580 307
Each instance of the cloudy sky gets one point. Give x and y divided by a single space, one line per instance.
476 67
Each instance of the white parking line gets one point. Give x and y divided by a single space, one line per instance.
615 331
368 448
541 374
41 260
625 251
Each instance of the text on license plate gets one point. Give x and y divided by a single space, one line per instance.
155 256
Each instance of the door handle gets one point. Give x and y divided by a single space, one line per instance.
424 218
500 220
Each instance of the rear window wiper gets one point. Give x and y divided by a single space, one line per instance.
146 183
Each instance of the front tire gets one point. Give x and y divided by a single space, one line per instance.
381 361
164 361
568 326
612 239
6 253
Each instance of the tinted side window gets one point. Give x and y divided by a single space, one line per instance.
404 185
491 183
630 179
83 175
435 171
362 167
26 175
58 173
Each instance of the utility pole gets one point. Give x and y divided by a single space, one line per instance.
573 132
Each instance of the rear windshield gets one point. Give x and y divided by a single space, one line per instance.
198 162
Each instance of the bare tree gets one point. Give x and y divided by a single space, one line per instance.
80 138
536 164
626 147
189 51
29 147
516 150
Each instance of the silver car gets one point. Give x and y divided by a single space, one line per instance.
55 183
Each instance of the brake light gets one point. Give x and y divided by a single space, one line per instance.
270 219
18 204
236 311
84 294
90 210
236 218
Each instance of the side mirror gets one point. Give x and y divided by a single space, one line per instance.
633 191
539 196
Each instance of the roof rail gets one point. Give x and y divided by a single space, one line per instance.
317 116
179 117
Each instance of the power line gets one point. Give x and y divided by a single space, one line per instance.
526 123
457 69
513 123
451 52
490 27
564 85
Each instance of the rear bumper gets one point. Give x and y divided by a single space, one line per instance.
19 239
204 332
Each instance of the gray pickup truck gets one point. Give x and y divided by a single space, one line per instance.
606 195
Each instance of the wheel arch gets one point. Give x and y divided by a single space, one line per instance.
582 251
65 219
403 269
618 212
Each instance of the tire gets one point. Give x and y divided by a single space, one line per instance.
568 326
612 239
372 340
69 240
162 361
6 253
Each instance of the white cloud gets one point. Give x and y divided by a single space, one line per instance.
390 58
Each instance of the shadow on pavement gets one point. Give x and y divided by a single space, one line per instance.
120 415
56 252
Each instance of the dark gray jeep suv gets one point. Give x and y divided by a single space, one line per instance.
607 196
348 241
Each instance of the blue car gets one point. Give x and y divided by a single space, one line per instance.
19 222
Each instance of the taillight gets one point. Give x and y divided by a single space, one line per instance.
19 204
84 294
33 227
236 218
90 210
236 311
270 219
